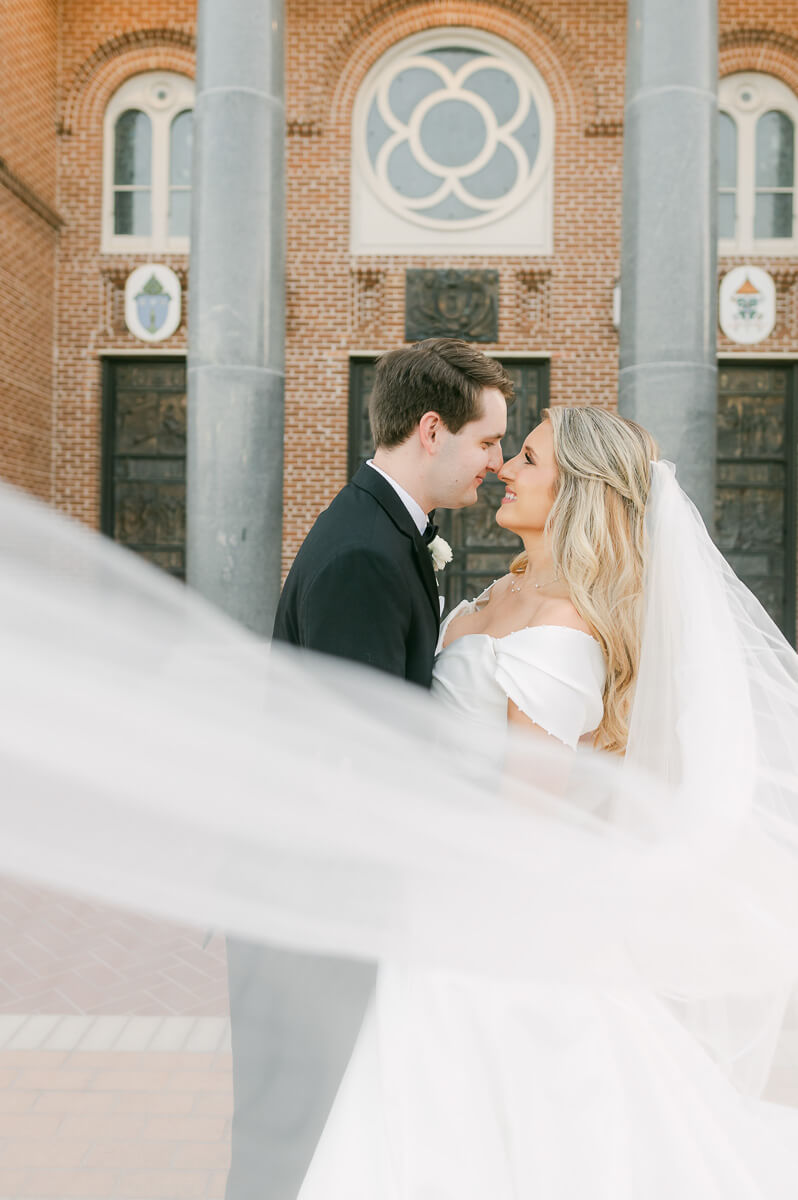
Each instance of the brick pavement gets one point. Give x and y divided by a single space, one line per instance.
133 1124
115 1067
63 955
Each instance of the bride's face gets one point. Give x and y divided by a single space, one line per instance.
531 479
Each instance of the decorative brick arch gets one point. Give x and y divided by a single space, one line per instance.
570 81
98 77
769 51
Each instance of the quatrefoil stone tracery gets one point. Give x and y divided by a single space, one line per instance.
480 172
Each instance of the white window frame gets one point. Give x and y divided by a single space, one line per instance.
768 93
141 92
511 233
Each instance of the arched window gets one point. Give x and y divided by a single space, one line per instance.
756 165
453 138
147 164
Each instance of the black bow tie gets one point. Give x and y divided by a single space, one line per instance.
431 532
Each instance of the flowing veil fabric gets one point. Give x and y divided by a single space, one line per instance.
155 755
715 717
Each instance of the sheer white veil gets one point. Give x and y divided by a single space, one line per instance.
715 717
157 756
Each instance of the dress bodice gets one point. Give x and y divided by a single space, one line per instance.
554 674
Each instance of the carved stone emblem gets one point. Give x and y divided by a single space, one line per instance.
460 304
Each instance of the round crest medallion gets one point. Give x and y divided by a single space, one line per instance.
152 302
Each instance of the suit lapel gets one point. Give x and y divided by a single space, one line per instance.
372 482
427 572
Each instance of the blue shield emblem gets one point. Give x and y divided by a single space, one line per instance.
152 305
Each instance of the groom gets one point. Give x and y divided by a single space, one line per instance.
361 587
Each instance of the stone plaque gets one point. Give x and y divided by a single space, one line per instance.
458 304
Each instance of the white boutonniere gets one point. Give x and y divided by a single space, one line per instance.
441 553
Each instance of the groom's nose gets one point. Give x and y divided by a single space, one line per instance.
496 459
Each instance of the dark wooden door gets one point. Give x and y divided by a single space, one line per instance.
482 550
144 458
755 508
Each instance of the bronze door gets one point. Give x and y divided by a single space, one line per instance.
144 458
755 500
482 550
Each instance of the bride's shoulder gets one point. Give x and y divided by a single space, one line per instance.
561 611
496 590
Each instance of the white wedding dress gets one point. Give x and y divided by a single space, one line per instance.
466 1087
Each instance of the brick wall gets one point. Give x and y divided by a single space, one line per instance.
559 305
337 304
28 232
102 45
770 47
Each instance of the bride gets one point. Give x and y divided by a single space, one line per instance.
462 1088
586 951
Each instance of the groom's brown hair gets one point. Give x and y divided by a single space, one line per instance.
439 375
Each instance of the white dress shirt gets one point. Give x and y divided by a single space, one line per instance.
412 506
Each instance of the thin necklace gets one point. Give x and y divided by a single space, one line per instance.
517 587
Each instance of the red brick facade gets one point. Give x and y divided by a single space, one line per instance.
73 56
29 227
337 304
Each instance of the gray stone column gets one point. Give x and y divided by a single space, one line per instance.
236 321
668 369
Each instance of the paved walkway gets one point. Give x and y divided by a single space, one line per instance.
115 1068
63 955
110 1124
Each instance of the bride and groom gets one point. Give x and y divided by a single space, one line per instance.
437 1084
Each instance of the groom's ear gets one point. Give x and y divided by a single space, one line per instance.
430 428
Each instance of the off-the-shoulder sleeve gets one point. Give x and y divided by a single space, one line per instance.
555 675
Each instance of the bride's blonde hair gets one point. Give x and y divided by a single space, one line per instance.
596 532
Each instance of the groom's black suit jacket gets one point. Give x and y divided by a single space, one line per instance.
362 585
